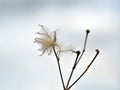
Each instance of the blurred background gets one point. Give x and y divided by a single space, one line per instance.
21 67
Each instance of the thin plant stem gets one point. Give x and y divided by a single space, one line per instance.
74 66
59 67
77 60
84 47
97 52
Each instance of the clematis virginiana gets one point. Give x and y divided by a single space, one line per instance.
47 41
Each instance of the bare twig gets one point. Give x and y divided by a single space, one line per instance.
74 66
59 68
84 47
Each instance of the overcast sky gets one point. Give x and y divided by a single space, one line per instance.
21 67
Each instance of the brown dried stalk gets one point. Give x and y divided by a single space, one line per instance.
49 43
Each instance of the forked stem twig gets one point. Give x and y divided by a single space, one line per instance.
97 52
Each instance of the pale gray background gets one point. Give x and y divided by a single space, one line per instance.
22 69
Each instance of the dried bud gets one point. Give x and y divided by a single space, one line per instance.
78 52
97 50
87 30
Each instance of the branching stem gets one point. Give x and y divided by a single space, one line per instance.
97 52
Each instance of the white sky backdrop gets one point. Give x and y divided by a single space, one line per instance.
22 69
